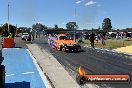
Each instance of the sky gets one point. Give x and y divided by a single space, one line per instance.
87 13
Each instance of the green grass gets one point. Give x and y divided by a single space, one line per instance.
112 44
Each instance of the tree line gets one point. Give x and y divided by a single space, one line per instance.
38 27
5 32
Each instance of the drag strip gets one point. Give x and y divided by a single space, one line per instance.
94 61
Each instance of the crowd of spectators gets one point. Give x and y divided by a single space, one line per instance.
105 36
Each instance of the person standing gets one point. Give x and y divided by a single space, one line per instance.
92 38
10 35
33 34
103 37
97 38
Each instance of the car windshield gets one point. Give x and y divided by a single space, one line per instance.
64 38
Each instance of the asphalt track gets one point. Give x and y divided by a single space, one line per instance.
95 61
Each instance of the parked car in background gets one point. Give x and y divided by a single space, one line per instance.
25 36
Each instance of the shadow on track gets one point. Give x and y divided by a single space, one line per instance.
17 85
76 51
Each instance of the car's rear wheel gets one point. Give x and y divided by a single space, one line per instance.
63 49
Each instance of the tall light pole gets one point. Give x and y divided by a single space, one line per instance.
8 18
75 21
16 29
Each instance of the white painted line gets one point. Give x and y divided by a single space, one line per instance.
10 75
25 73
45 81
18 48
28 73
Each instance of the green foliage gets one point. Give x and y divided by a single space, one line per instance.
80 41
106 25
71 26
19 31
56 26
1 30
38 26
4 30
23 29
99 28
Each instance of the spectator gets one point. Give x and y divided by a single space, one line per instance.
30 38
92 37
103 39
96 38
10 36
33 34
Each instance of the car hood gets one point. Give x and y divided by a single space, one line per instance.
68 42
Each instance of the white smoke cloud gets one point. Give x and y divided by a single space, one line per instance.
90 3
78 2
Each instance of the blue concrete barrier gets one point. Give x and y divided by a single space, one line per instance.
20 70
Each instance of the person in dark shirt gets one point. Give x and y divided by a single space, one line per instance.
92 38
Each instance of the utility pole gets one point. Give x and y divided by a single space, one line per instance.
8 18
16 29
75 21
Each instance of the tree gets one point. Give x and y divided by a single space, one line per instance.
71 26
106 25
19 31
99 28
38 28
4 30
1 30
23 29
56 26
